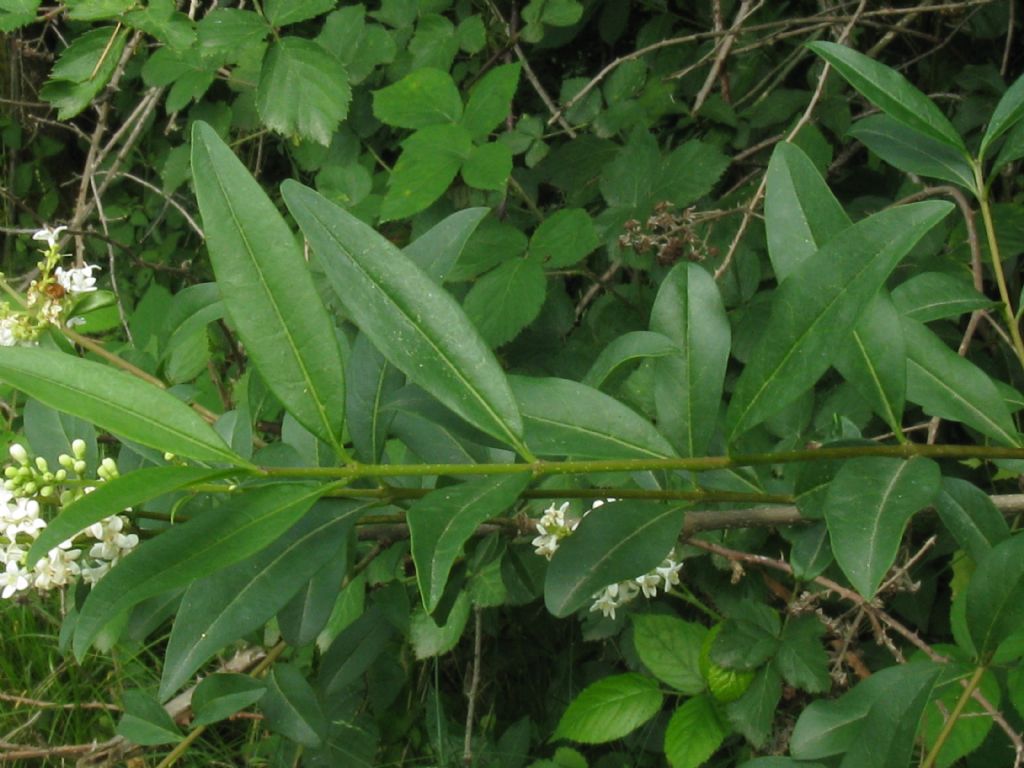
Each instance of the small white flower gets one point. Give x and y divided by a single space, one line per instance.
58 568
546 544
18 453
7 335
112 543
606 604
13 579
669 572
649 584
49 235
92 575
76 279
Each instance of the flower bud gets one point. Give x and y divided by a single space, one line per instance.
10 471
30 489
66 461
41 464
18 453
60 475
78 448
46 490
80 467
109 467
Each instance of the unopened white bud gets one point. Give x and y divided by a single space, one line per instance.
46 490
66 461
41 464
60 475
79 467
18 453
109 467
78 448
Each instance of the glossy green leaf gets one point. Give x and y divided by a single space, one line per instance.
205 544
115 496
670 648
226 605
268 290
694 733
224 33
425 96
145 722
371 380
488 166
971 516
869 504
438 249
566 418
617 541
995 596
1007 114
909 150
563 238
821 302
929 296
441 523
609 709
753 714
291 707
631 346
505 300
416 325
303 90
219 696
951 387
430 159
688 386
490 100
888 90
114 401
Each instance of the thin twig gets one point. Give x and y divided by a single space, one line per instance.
474 685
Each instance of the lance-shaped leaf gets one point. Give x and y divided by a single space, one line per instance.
615 542
371 380
818 306
869 504
437 249
1007 114
415 324
688 385
566 418
203 545
995 596
629 347
226 605
115 496
891 92
114 401
442 521
268 290
971 516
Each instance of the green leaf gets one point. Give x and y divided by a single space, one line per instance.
688 386
219 696
282 12
951 387
909 150
617 541
224 33
1007 114
801 658
230 603
145 722
869 504
694 733
162 21
888 90
995 596
634 345
801 213
971 516
490 100
308 611
670 648
818 306
753 714
83 70
929 296
17 13
748 638
563 239
566 418
506 300
416 325
371 381
205 544
811 553
628 180
303 90
610 709
428 639
268 290
291 707
688 173
115 496
442 521
353 651
438 249
1013 149
488 166
50 433
422 98
430 159
114 401
93 10
973 724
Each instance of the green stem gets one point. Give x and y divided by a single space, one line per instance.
947 727
997 264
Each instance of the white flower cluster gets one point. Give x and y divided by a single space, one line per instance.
87 555
554 526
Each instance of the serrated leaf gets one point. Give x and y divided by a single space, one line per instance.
490 99
688 173
951 387
563 238
226 32
888 90
566 418
303 90
688 387
17 13
425 96
801 658
812 552
634 345
506 300
430 159
995 596
282 12
1006 115
221 695
191 550
748 638
83 70
818 306
610 709
226 605
971 516
413 323
617 541
488 166
442 521
145 722
869 504
291 707
114 401
670 648
753 714
929 296
268 290
694 733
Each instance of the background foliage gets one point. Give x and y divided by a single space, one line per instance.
704 259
